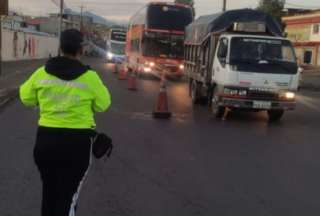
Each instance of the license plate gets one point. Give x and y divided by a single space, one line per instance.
261 104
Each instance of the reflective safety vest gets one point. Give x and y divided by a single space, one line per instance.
66 104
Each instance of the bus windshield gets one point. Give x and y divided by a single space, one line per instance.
163 45
118 35
117 48
263 55
169 17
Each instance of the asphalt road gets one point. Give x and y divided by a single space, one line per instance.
191 165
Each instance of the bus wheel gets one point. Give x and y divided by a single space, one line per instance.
195 92
275 115
217 110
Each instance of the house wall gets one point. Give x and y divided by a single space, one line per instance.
315 36
19 45
300 31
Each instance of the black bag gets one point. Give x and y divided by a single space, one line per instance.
102 145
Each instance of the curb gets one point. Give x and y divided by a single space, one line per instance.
7 95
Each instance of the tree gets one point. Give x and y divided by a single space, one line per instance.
273 7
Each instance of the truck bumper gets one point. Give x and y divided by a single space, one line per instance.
256 104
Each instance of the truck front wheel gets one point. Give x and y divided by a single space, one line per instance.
217 110
275 115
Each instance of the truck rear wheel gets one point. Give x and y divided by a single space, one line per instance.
275 115
217 110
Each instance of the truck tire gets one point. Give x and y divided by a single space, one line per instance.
275 115
195 92
217 111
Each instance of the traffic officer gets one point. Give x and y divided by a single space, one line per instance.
68 93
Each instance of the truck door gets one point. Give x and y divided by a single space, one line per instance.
221 60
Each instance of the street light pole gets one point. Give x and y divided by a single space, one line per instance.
81 18
60 24
4 11
224 5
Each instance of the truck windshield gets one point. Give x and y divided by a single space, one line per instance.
162 45
263 55
117 48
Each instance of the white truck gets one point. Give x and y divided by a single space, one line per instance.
239 60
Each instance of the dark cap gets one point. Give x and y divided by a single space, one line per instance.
71 41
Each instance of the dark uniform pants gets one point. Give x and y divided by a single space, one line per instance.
63 157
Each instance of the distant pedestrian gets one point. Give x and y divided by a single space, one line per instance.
68 93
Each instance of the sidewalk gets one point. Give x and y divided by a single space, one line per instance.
310 80
13 75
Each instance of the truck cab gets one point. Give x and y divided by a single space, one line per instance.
254 72
239 59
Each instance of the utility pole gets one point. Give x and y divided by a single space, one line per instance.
60 24
81 18
4 10
0 44
224 5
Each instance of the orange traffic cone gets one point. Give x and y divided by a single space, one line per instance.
132 82
122 74
162 108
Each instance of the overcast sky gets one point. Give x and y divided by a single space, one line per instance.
123 9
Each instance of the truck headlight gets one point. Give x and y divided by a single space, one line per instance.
152 64
287 95
110 55
181 67
290 95
147 69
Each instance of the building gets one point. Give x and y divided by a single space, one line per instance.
295 11
16 22
304 31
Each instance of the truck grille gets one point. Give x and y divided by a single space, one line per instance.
263 95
